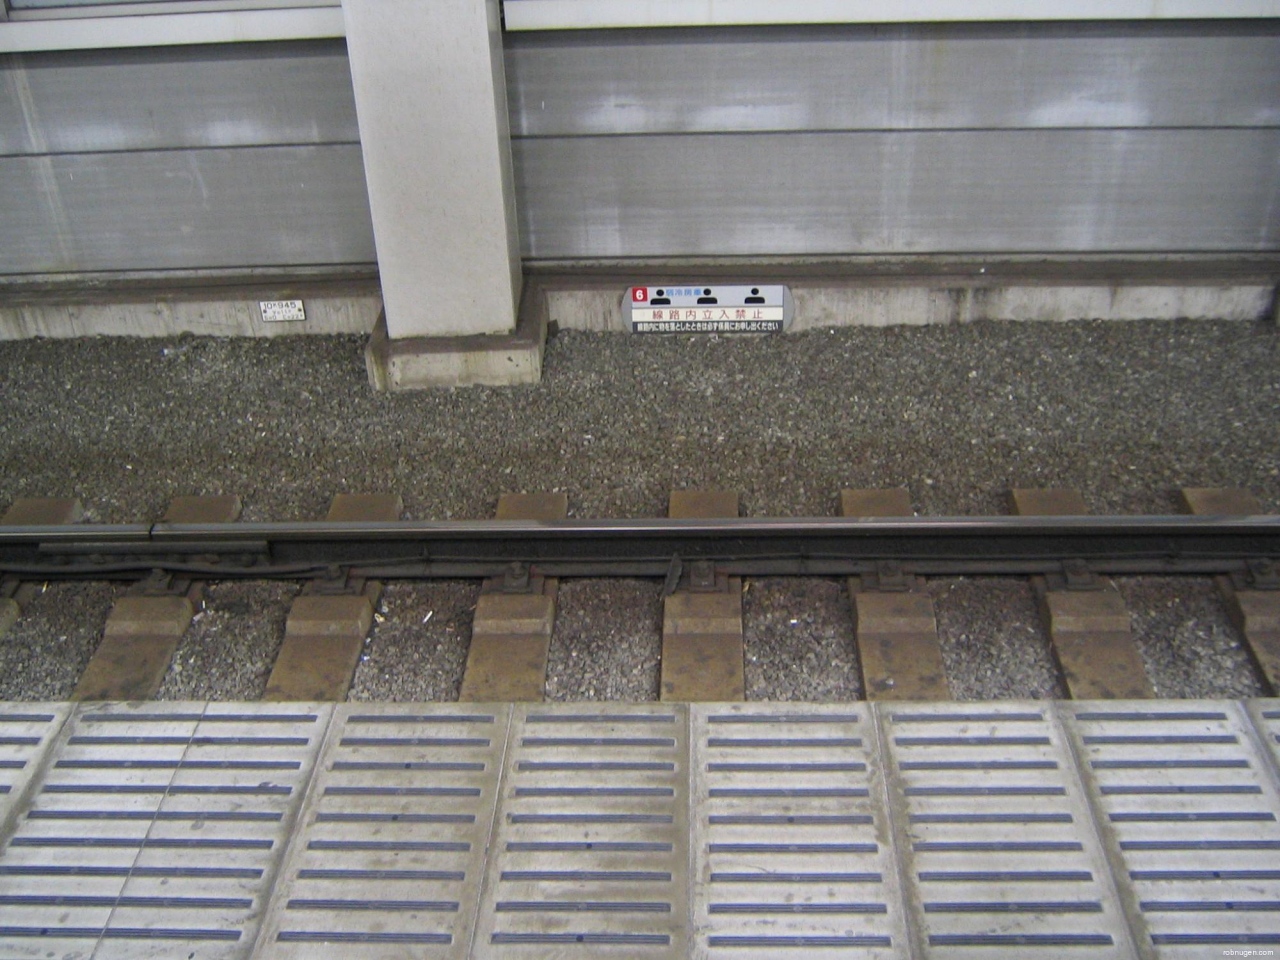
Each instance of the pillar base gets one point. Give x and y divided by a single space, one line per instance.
495 360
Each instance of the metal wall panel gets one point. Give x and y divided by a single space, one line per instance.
182 209
14 135
898 192
745 141
873 78
162 99
611 14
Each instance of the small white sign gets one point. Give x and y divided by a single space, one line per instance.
281 311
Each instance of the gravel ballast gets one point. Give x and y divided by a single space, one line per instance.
43 655
994 645
417 649
1124 412
228 651
607 643
797 640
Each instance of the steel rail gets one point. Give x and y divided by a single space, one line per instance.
647 547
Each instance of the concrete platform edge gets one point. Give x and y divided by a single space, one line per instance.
588 304
342 301
587 295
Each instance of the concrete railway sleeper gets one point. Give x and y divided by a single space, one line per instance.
702 552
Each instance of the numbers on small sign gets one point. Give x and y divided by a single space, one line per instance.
281 311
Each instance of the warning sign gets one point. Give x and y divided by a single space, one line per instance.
709 309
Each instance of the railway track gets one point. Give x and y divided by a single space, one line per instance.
1114 825
701 553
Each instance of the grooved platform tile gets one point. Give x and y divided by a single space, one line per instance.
389 855
1188 805
995 836
960 830
792 846
27 730
1266 718
155 830
590 850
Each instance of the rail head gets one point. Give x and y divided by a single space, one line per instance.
647 547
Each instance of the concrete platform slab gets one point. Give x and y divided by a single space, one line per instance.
1186 803
987 817
155 830
391 845
1022 828
591 838
790 835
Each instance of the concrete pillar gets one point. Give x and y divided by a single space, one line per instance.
432 105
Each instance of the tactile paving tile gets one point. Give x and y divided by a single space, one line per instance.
156 830
1266 719
26 731
1190 804
389 855
591 845
995 835
790 850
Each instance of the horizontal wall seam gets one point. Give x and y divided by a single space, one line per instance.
841 131
182 149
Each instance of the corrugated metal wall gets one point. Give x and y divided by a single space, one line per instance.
839 140
745 141
238 155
